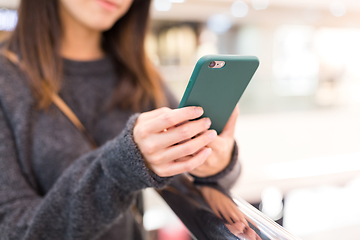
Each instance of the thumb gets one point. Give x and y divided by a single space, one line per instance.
229 129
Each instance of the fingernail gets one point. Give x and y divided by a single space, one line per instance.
199 111
208 122
212 135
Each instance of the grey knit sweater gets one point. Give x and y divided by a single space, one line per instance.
52 185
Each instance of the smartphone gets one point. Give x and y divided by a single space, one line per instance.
216 85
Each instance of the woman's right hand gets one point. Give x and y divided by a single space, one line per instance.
165 136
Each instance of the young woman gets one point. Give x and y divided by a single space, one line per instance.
90 53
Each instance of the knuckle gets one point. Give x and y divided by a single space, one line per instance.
169 119
141 132
158 159
151 160
164 109
140 117
185 132
188 149
161 172
149 148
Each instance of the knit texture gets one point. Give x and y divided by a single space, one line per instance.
52 185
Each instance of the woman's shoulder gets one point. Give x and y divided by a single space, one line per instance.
7 68
13 85
10 73
4 64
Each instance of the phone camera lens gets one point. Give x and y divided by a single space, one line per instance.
212 64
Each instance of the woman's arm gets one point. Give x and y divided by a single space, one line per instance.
85 201
98 188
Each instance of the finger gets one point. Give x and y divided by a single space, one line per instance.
251 233
162 141
216 143
172 118
223 218
239 226
184 159
235 217
175 168
226 214
185 149
154 113
239 214
215 210
233 213
218 213
250 221
229 129
213 207
243 220
233 229
184 132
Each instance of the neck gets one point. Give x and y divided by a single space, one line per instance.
79 42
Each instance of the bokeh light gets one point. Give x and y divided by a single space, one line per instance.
338 8
271 203
260 4
162 5
219 23
8 19
239 9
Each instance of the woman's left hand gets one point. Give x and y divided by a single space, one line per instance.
222 148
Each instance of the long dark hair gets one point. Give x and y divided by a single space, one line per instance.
36 41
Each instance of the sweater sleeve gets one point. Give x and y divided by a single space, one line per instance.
85 201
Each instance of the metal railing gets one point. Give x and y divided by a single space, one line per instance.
266 225
209 212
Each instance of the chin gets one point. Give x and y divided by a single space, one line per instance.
102 24
103 27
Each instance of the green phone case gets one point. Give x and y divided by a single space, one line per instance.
217 90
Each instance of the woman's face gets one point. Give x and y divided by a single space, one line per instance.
98 15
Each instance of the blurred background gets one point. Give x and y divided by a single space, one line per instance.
299 129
